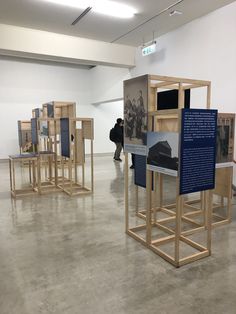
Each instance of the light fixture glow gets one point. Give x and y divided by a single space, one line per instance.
105 7
175 12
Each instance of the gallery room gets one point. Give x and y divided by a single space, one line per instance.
117 156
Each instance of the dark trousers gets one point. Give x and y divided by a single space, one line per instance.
118 150
133 159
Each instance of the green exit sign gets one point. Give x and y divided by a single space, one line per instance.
149 50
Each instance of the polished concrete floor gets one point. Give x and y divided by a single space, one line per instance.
71 255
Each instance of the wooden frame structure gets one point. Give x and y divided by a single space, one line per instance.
50 182
222 194
24 135
31 188
71 183
60 109
54 171
169 121
224 173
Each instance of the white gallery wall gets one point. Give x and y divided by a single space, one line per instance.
106 102
27 85
203 49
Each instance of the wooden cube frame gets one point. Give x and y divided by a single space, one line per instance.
47 160
70 183
62 109
23 125
31 161
169 120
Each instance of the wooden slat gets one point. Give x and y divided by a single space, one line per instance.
163 240
194 244
178 80
193 258
164 228
193 231
186 219
162 254
138 228
126 193
136 237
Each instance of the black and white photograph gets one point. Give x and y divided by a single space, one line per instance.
225 138
162 152
135 114
44 128
26 144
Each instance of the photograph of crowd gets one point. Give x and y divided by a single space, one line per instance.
135 111
225 138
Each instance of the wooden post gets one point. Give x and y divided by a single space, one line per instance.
156 196
39 173
14 175
83 175
229 198
30 178
149 206
179 205
136 199
10 169
92 165
126 193
63 173
209 196
208 105
34 173
181 96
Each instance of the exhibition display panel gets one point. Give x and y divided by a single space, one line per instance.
178 142
62 161
74 133
24 136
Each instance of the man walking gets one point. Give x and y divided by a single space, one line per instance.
118 138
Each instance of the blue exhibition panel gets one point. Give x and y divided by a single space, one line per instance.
140 170
198 150
50 110
65 137
34 131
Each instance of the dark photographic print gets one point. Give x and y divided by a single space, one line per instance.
44 128
162 152
26 141
135 114
225 138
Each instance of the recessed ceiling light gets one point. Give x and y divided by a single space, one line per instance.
175 12
106 7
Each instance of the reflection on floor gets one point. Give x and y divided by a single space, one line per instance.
70 255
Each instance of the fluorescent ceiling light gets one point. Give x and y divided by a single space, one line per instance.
106 7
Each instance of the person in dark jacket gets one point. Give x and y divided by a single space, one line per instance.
119 139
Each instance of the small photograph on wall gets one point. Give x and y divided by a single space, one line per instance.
225 139
163 152
135 115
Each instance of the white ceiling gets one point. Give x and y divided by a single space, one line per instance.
41 15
